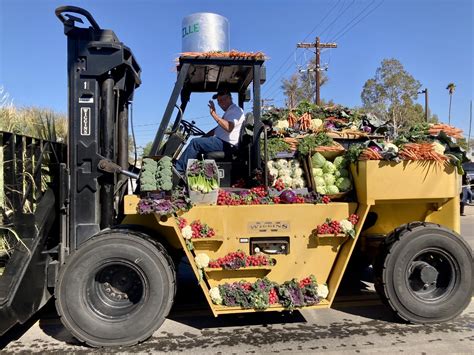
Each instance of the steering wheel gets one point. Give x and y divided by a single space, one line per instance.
189 126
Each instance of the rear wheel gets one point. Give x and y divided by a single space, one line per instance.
425 273
116 289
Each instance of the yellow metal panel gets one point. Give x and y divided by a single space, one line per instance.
377 180
130 203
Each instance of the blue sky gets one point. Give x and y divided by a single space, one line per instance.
433 39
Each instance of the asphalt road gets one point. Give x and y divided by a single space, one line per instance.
357 324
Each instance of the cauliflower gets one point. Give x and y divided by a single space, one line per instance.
282 124
270 164
390 146
202 260
322 290
215 295
316 123
284 172
298 183
287 180
297 172
187 232
438 147
273 172
346 226
281 164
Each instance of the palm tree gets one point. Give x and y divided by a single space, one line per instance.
451 87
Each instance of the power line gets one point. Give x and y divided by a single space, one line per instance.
339 34
304 39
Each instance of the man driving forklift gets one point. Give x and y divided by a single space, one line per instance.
224 137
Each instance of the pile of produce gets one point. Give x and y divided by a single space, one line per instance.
435 142
202 175
262 196
179 202
156 175
263 293
309 118
286 173
346 226
238 259
330 177
195 230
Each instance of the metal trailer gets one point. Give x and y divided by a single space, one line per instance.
113 271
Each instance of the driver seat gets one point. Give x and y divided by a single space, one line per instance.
232 153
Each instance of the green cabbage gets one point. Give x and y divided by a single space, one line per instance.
339 162
321 189
343 183
343 172
329 179
319 181
329 167
318 160
317 172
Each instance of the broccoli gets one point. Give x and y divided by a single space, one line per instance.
147 175
164 174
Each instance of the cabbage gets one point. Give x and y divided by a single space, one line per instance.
339 162
319 181
332 189
343 184
317 172
288 196
343 172
318 160
329 167
329 179
321 189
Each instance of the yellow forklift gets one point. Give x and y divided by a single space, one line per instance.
113 270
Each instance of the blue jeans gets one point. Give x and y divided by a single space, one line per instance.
466 195
199 146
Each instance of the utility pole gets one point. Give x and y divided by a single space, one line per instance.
318 45
469 134
427 112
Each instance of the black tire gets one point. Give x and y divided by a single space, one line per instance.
424 272
116 289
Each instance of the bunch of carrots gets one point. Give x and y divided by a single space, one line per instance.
421 151
231 54
370 154
451 131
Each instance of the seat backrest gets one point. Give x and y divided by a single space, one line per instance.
244 138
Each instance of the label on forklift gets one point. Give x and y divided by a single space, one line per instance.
269 226
86 100
85 121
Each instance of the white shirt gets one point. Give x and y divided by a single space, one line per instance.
233 114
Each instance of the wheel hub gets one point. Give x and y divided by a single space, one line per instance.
430 275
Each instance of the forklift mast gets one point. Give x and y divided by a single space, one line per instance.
102 77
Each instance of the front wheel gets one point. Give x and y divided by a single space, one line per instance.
425 273
116 289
